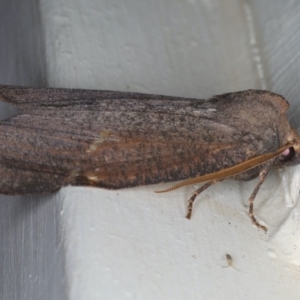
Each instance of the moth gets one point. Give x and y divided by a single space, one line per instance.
117 140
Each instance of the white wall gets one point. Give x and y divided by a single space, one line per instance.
133 243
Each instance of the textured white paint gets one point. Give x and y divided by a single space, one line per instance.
135 244
173 47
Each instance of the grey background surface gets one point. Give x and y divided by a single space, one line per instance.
31 247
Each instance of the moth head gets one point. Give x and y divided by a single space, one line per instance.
290 156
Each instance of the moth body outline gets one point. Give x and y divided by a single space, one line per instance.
116 140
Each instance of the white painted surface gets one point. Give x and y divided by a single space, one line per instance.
133 243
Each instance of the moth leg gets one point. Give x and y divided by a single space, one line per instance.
195 194
262 176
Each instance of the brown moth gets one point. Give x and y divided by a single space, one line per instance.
117 140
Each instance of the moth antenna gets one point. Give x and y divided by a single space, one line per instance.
231 171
